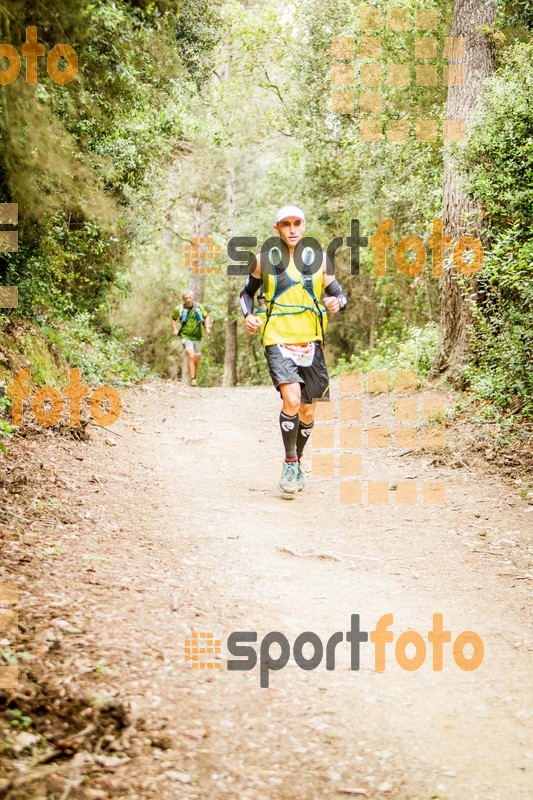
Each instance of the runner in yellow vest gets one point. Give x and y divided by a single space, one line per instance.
293 328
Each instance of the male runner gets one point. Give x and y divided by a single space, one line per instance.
191 316
293 331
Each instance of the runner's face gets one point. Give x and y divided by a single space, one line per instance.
187 299
290 230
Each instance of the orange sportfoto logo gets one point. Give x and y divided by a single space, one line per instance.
47 402
410 652
31 51
202 644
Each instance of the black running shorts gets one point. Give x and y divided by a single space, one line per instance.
314 379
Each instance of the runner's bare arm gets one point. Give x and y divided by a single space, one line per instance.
207 323
246 297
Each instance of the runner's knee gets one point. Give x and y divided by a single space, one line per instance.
290 408
307 412
291 398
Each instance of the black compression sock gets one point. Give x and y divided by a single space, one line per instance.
304 434
289 432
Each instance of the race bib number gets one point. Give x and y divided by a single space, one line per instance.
301 356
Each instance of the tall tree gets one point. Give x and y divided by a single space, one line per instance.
230 353
200 230
472 19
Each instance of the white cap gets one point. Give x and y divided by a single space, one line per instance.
289 211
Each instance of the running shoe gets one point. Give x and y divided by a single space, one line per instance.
288 481
193 382
300 477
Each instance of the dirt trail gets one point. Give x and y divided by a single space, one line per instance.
183 531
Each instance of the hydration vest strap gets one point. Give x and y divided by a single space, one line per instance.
311 291
274 256
185 313
307 277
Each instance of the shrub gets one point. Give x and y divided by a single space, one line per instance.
102 358
498 165
416 352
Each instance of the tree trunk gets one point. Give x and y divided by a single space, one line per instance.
460 215
200 229
230 353
196 281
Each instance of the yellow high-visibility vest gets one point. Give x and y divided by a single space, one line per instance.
293 315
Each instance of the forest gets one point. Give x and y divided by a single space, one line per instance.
188 120
145 149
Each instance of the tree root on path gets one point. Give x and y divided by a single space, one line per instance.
324 555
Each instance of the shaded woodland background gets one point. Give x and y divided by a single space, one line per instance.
201 118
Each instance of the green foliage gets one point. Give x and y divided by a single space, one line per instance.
198 31
336 177
18 719
498 164
6 430
503 334
79 159
103 358
414 352
499 156
73 156
180 106
517 13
